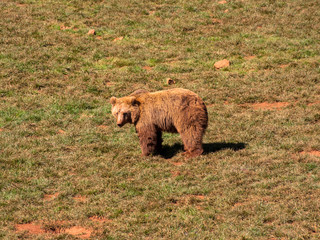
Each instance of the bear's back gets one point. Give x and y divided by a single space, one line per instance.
171 109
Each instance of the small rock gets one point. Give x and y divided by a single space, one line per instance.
222 2
91 32
222 64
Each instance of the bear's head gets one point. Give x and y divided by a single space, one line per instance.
125 110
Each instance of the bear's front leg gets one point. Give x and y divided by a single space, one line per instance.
148 138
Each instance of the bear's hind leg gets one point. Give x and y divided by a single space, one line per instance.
192 141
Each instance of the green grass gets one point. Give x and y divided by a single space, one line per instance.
57 134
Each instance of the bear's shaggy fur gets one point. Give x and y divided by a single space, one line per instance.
175 110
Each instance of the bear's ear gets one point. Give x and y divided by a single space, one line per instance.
134 101
113 100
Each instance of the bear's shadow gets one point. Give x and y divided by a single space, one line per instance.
170 151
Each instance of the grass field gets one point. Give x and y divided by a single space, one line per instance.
67 170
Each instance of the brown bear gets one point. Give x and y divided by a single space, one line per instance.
176 111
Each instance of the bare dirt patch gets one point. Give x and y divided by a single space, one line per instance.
250 57
201 197
60 131
62 27
48 197
53 229
110 84
148 68
175 173
177 163
31 228
216 21
284 65
117 39
268 106
186 200
313 153
79 198
79 232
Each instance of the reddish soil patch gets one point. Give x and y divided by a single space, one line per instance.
62 27
222 2
249 57
269 106
313 153
238 204
177 163
57 228
216 20
99 219
284 65
79 232
31 228
148 68
1 129
175 173
109 84
48 197
118 39
79 198
199 196
60 131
